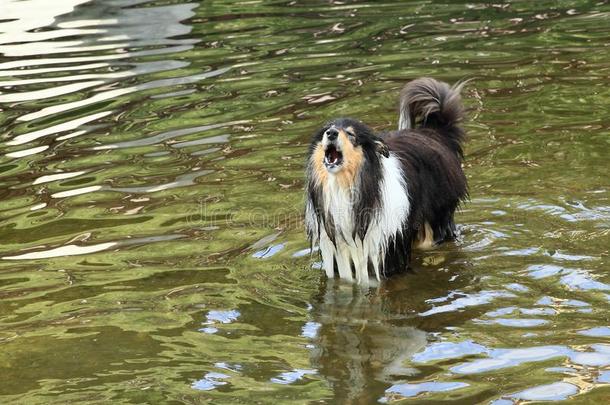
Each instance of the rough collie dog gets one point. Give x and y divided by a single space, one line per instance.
372 197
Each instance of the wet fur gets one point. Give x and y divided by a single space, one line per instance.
394 190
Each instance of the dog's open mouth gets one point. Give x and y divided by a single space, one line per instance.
332 156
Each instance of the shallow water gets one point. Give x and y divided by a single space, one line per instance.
151 177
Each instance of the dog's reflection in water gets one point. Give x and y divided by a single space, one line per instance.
360 346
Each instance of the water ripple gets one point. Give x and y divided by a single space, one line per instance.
113 94
139 136
76 250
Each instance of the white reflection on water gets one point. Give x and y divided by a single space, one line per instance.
77 250
604 377
115 93
449 350
24 17
65 33
183 180
558 391
293 376
598 355
68 250
176 133
64 126
128 26
310 329
27 152
215 317
76 191
269 251
600 331
411 390
468 300
210 381
58 176
575 279
516 323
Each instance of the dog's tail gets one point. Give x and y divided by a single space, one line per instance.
428 103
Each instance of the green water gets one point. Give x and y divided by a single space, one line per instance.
151 173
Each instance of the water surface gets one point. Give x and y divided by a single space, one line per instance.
151 174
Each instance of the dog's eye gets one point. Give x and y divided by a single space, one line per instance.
350 134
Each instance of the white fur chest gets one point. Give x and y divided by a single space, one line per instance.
387 222
338 204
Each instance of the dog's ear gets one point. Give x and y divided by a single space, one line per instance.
382 148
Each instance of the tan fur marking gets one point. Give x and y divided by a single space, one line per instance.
352 161
425 238
317 160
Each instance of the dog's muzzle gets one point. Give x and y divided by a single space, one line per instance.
333 157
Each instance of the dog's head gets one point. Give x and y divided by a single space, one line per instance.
341 148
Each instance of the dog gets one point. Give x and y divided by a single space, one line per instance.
371 198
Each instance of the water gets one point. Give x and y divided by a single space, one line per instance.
151 177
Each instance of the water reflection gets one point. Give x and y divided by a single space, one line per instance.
400 391
215 317
22 19
77 250
121 120
559 391
115 31
363 343
359 346
210 381
99 25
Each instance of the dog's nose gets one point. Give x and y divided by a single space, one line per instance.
332 134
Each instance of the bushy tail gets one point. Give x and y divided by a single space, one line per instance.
428 103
